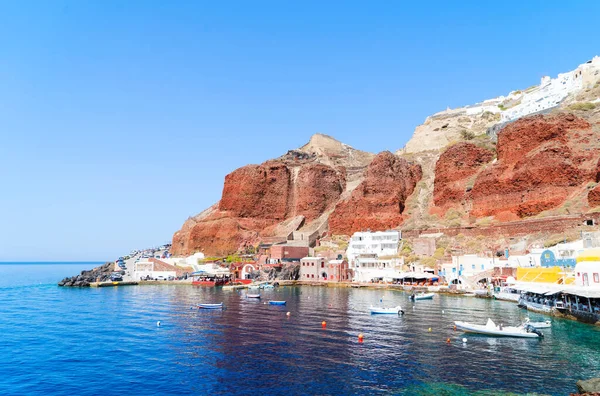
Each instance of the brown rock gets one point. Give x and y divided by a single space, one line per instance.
318 187
541 161
257 191
378 202
594 196
454 169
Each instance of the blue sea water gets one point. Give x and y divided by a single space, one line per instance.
59 341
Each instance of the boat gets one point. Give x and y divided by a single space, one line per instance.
490 328
422 296
469 295
253 295
381 310
539 325
274 302
210 306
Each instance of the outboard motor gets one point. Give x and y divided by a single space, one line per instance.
531 329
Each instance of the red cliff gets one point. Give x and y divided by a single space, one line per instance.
378 202
455 170
542 160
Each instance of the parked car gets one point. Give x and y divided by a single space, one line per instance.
116 277
160 278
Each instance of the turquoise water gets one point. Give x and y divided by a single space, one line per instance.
91 341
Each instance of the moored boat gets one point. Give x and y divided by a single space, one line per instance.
490 328
253 295
422 296
539 325
382 310
210 306
274 302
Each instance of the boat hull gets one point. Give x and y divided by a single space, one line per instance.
253 295
426 296
495 331
210 306
386 311
277 302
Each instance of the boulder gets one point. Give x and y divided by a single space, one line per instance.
589 386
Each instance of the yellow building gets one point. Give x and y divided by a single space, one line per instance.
556 275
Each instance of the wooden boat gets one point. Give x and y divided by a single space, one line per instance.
539 325
491 329
253 295
422 296
381 310
273 302
210 306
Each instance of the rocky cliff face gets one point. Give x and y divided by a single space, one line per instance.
378 202
272 199
542 160
455 172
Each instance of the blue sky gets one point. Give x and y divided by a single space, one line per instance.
118 120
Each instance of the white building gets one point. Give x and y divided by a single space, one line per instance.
367 269
380 243
467 266
147 269
587 269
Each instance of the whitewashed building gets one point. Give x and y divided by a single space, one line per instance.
380 243
368 269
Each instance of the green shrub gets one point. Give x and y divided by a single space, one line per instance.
467 135
583 106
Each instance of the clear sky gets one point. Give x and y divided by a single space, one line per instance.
119 119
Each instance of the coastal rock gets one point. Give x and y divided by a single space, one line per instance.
101 273
542 160
378 202
318 188
455 171
589 386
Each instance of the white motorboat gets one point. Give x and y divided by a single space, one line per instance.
490 328
382 310
469 295
422 296
210 306
539 325
253 295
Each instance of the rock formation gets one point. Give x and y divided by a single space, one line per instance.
378 202
542 160
272 199
98 274
455 171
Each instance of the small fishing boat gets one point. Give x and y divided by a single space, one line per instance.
422 296
491 329
253 295
273 302
381 310
210 306
539 325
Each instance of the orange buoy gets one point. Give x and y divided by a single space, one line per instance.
454 328
324 324
448 340
360 338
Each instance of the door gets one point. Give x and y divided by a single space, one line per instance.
586 281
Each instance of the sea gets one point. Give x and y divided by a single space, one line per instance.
91 341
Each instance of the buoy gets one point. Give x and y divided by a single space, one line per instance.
454 327
464 340
429 330
448 341
360 338
324 324
288 314
158 324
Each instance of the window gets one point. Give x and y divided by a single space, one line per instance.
473 266
313 264
596 277
313 275
322 264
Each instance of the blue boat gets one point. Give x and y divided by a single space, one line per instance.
272 302
210 306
